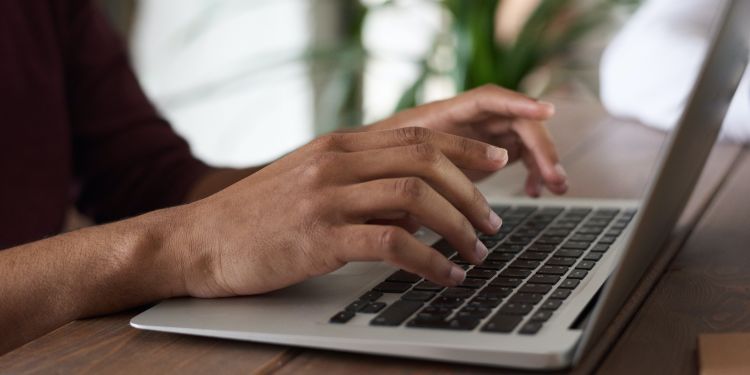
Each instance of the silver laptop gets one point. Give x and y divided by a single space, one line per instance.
557 273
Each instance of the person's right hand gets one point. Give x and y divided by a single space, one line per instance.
344 197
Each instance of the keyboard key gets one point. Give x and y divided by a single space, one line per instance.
417 295
525 264
396 313
578 274
533 255
505 248
541 316
558 261
590 230
485 300
428 286
585 265
515 272
479 312
436 311
403 277
600 248
372 295
516 308
550 240
593 256
583 237
473 283
544 279
463 323
443 247
551 304
451 302
458 293
502 323
560 293
542 248
506 281
607 240
342 317
530 328
576 245
535 288
390 287
493 265
475 273
527 298
356 306
552 270
500 257
497 291
570 283
373 307
567 253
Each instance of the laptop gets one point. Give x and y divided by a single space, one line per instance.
557 273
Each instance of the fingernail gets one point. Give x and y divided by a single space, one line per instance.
495 221
560 170
481 251
497 154
548 106
457 274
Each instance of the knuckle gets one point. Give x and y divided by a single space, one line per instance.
411 188
390 241
327 142
317 166
426 152
413 134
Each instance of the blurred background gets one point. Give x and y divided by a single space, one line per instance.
245 81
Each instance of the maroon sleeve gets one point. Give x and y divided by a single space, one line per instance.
127 159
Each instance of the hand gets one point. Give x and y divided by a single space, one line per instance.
499 117
324 205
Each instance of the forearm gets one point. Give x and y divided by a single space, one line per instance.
88 272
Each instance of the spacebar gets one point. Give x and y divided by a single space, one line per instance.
396 313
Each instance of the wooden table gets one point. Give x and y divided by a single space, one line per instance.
705 286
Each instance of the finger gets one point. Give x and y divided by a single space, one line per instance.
533 186
538 142
399 248
491 100
463 152
408 223
427 162
398 197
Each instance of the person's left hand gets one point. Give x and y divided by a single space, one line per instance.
500 117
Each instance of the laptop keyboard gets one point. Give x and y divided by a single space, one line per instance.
536 261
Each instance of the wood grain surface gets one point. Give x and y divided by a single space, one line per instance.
706 287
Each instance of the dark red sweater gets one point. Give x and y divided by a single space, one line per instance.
75 127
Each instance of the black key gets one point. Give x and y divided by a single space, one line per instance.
593 256
390 287
579 210
570 283
497 291
490 243
428 286
590 230
527 298
479 312
473 283
463 323
578 274
533 255
551 304
576 245
557 232
515 272
356 306
403 277
541 316
535 288
458 293
485 301
373 307
518 240
372 295
514 249
342 317
613 232
443 301
530 328
396 313
500 257
558 261
544 279
443 247
499 209
583 237
525 264
542 248
428 322
506 281
552 270
436 311
418 295
493 265
607 240
567 253
502 323
476 273
606 212
560 293
600 248
516 308
550 240
585 265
